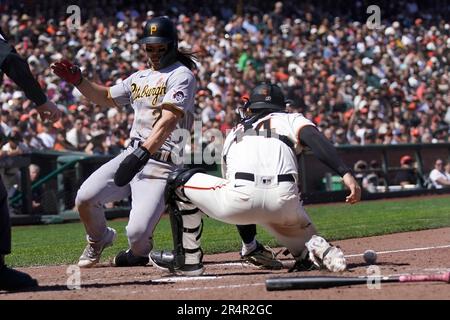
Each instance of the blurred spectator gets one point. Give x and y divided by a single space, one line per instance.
10 173
408 174
438 176
374 177
76 137
360 170
97 145
384 86
447 170
36 192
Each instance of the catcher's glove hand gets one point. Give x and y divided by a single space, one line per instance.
131 165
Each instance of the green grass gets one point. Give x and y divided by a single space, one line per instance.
63 243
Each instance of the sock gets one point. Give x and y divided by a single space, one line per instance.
248 247
247 232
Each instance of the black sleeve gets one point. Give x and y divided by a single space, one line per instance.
323 149
17 69
5 50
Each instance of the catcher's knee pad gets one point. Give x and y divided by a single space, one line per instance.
176 179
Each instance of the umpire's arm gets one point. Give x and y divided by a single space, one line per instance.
327 153
17 69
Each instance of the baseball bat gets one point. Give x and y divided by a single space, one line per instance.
320 282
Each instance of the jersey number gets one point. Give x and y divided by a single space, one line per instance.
157 114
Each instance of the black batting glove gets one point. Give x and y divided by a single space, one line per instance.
131 165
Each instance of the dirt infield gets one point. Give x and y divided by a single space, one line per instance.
227 278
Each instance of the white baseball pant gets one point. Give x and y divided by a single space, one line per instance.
147 192
274 205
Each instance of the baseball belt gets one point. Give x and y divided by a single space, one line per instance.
251 177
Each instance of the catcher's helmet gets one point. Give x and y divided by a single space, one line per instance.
266 96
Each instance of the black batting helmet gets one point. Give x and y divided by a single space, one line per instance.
159 30
266 96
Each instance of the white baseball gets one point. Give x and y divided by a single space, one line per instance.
370 256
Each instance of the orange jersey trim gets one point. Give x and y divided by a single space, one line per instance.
204 188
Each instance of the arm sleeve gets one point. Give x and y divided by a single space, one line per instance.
121 92
323 149
181 89
17 69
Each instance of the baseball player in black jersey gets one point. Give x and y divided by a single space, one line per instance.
17 69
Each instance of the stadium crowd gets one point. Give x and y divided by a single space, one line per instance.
387 85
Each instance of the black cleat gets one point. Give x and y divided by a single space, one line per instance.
263 258
11 280
128 259
165 260
303 265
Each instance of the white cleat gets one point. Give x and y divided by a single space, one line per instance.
93 251
322 253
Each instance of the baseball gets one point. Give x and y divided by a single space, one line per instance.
370 256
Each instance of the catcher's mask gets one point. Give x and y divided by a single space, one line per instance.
264 97
160 31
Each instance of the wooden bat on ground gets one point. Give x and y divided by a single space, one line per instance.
319 282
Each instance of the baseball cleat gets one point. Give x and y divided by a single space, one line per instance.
11 280
303 265
128 259
165 261
93 251
263 258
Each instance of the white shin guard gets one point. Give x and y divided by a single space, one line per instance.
192 229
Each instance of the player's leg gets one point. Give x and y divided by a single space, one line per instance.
5 223
254 252
186 223
216 198
10 279
220 199
97 190
293 228
147 206
247 232
147 191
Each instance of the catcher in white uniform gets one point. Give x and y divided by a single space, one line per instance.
162 98
260 187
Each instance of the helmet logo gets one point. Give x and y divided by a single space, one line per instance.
153 28
268 98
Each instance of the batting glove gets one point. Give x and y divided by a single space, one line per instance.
131 165
68 72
